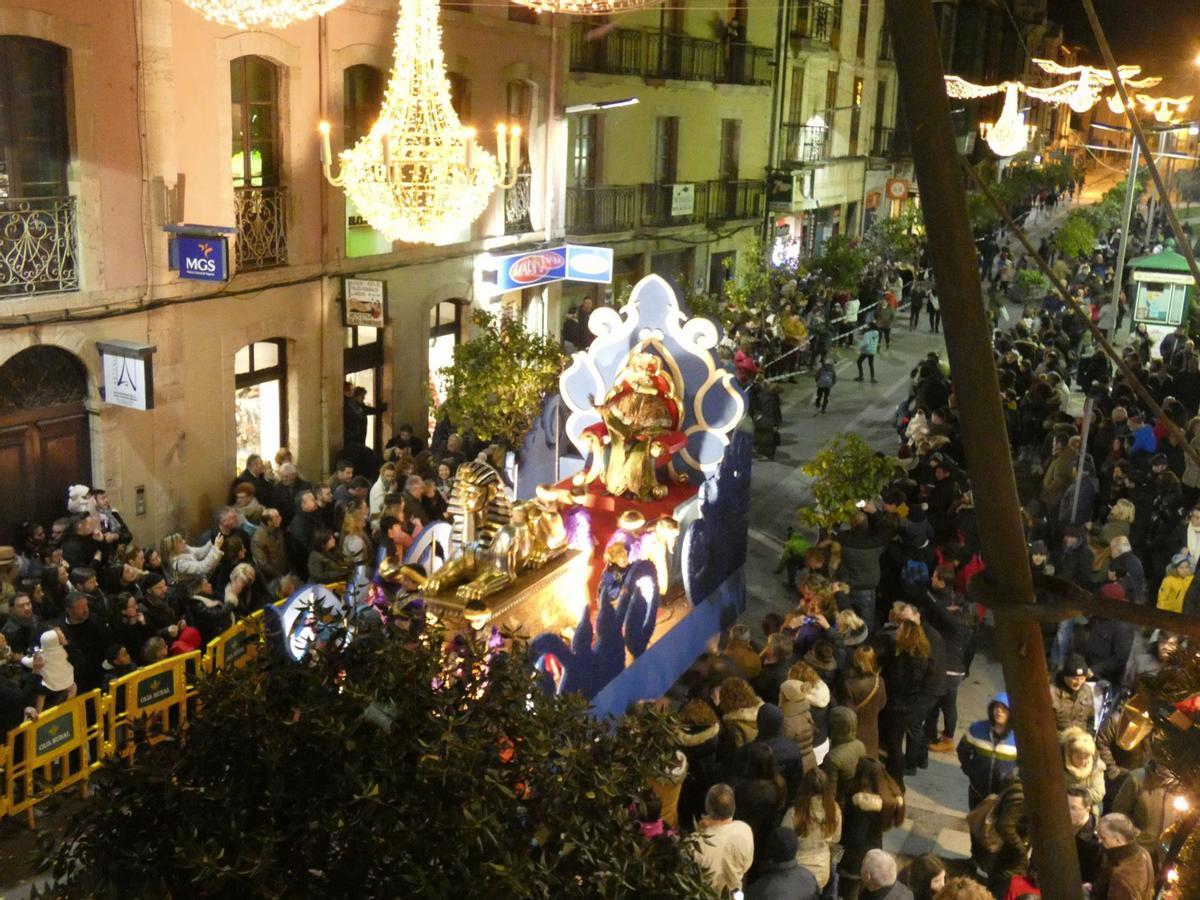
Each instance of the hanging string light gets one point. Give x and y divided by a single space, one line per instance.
1115 105
1164 108
1008 135
246 14
586 7
1085 90
418 175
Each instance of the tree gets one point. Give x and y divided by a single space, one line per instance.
395 768
845 472
841 262
499 378
898 238
1075 236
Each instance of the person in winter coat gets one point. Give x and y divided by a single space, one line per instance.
988 752
780 876
760 792
1012 824
1118 762
1158 652
667 786
806 682
826 378
776 660
1127 565
697 737
797 713
739 711
1082 765
1175 583
1073 562
1126 870
1146 798
845 751
182 561
954 620
788 761
1072 697
1107 642
876 804
907 667
743 653
862 545
863 690
817 821
725 849
868 346
924 876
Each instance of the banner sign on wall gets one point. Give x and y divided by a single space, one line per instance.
203 258
591 264
128 374
365 302
522 270
683 200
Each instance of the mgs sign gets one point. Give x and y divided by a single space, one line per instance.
203 258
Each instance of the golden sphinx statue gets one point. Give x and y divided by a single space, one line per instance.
495 541
638 427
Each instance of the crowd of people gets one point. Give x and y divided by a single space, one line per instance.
83 602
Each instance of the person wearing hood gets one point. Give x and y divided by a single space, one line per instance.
1072 697
780 876
1175 583
788 760
797 711
1158 652
1108 642
1073 562
988 752
845 751
58 675
667 787
189 641
697 738
1082 765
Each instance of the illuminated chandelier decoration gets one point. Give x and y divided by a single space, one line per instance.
418 175
1084 92
1008 135
1114 99
1164 108
246 14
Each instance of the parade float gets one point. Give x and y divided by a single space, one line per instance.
618 575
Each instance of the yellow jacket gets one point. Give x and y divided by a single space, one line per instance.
1171 593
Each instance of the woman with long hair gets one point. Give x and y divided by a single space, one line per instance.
863 690
817 821
760 793
876 804
353 540
924 876
906 665
181 562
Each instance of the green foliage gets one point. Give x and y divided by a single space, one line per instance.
1030 284
899 238
388 770
841 262
846 471
1188 182
1076 235
980 212
499 378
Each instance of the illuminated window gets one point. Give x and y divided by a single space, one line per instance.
362 98
254 106
260 399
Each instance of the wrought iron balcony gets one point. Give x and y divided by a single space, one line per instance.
665 205
803 143
38 245
516 203
596 210
658 54
883 142
817 22
728 200
261 227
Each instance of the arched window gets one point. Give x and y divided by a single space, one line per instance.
256 163
445 332
260 399
362 98
37 217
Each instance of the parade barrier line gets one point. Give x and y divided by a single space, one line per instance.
69 741
61 748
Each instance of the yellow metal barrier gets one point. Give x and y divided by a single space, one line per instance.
235 646
158 694
61 748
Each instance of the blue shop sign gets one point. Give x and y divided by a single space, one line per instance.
203 258
524 270
587 263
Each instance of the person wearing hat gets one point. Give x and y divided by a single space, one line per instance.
1175 583
1072 697
1073 562
780 877
1108 642
988 752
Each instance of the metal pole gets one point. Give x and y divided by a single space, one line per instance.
1162 137
1126 227
989 463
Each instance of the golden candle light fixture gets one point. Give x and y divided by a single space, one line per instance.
247 14
1008 135
419 175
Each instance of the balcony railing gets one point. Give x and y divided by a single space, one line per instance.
818 22
883 142
261 227
595 210
803 143
38 245
516 204
657 54
729 200
666 205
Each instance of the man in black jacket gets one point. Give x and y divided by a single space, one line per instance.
87 641
81 548
1108 642
954 620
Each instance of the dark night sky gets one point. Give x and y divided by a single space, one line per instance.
1162 36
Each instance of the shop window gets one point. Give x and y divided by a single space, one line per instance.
362 365
445 333
260 399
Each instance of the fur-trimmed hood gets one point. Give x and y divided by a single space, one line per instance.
867 802
694 736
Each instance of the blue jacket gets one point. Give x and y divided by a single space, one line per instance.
986 761
1143 441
